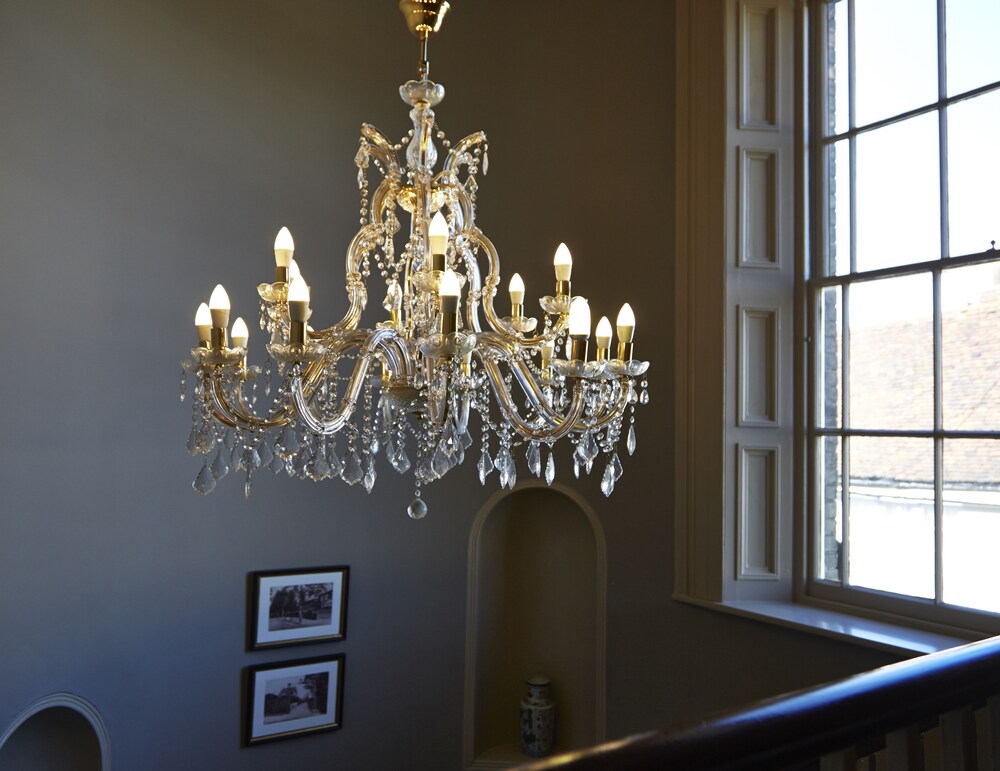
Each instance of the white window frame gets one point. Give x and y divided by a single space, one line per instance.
721 560
934 611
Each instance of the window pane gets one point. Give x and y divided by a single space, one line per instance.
898 189
972 31
837 69
971 523
895 56
970 342
831 509
831 373
891 527
974 173
891 356
839 181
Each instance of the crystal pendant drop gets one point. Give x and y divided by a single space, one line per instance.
369 480
277 464
220 467
511 469
550 469
590 448
192 442
247 486
644 397
400 461
184 384
630 441
485 466
617 465
441 461
534 457
265 453
608 480
503 468
352 473
417 509
576 467
486 163
204 483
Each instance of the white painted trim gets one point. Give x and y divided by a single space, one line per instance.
70 701
773 384
772 63
747 211
767 521
472 606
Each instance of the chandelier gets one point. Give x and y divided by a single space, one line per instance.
407 387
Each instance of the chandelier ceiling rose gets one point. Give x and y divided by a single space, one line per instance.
407 388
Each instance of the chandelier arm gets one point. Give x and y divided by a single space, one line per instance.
382 148
525 377
573 413
492 279
300 397
237 418
455 159
611 413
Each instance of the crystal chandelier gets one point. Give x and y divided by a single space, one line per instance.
407 387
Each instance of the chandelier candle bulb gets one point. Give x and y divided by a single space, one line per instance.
284 248
218 306
579 328
437 234
293 271
547 349
298 310
203 323
448 296
603 337
516 290
240 334
626 331
563 264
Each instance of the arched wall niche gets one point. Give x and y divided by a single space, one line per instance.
537 597
61 731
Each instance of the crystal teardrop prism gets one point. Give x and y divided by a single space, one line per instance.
630 441
644 397
369 480
550 469
485 466
204 483
417 509
352 473
617 465
534 457
220 467
608 480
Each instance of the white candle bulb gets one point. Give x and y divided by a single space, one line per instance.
516 289
298 290
240 334
218 305
203 317
626 324
284 247
579 318
603 334
293 270
449 284
563 263
437 233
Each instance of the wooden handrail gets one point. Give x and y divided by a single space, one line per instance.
800 727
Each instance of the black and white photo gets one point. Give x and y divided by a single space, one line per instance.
293 698
293 607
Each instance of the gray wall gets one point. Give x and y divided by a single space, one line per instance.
149 150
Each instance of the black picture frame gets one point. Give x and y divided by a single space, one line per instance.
298 606
286 699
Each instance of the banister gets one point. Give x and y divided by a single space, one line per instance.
798 728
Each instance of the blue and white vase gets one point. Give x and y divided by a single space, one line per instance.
538 719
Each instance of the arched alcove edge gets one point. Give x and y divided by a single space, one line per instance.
70 701
473 599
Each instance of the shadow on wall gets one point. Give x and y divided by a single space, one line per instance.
58 733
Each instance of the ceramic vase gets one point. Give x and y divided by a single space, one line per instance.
538 718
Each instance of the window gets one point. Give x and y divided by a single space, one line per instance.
903 408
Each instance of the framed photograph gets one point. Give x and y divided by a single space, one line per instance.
293 698
295 607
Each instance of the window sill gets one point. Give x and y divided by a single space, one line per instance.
893 638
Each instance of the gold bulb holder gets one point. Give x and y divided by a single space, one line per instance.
564 288
517 310
280 274
625 351
578 347
218 338
449 322
437 262
602 354
297 333
204 335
